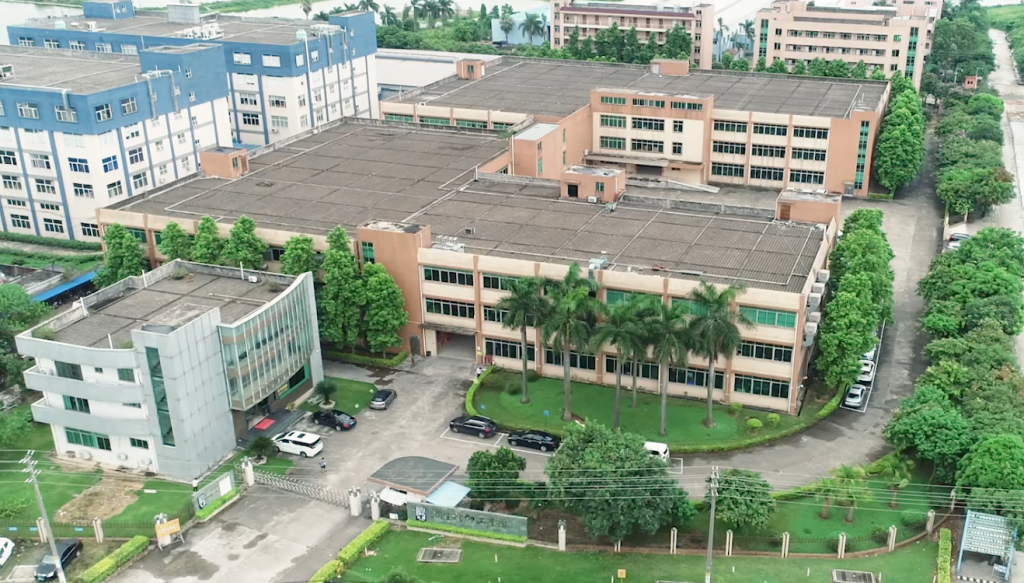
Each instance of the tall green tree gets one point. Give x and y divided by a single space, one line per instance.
860 70
898 154
572 44
531 26
799 68
878 74
17 313
826 490
123 256
506 24
716 330
838 68
778 66
991 475
744 499
524 306
740 65
761 66
299 256
609 42
208 246
928 426
678 44
622 327
852 489
341 298
897 471
571 320
818 68
631 49
492 476
243 247
671 339
385 309
846 332
175 243
594 475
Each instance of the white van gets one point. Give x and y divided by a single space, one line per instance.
298 443
659 450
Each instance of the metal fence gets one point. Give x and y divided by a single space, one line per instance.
112 528
301 488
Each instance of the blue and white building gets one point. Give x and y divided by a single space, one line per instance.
80 130
284 76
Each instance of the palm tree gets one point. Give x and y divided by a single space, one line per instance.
445 9
262 448
388 16
715 328
826 490
506 25
406 11
896 471
524 306
574 308
417 10
321 16
851 487
325 389
622 328
338 9
671 339
722 29
748 31
531 26
430 9
307 6
369 5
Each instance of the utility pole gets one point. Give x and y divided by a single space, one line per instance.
47 531
711 527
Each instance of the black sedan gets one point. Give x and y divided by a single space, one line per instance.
482 427
334 418
533 439
68 549
382 399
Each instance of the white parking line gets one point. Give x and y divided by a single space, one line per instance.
864 407
496 443
672 469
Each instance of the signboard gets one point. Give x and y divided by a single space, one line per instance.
168 528
213 491
622 573
466 518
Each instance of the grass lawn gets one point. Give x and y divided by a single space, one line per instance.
351 397
1001 15
595 403
483 562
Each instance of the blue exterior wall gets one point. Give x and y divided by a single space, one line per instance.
208 81
108 10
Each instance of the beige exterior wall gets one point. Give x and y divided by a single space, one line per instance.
452 114
698 21
791 31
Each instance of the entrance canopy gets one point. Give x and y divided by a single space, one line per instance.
988 534
448 494
414 475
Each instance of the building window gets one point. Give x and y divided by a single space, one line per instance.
769 129
46 206
811 133
806 154
104 48
728 148
163 414
28 110
406 118
132 50
653 146
608 100
8 157
247 99
41 161
765 173
90 230
87 438
366 249
768 151
444 275
242 59
44 186
181 137
468 123
271 61
766 317
79 165
598 186
494 315
77 45
126 374
610 143
677 148
139 234
659 103
734 170
501 282
110 163
806 177
66 114
647 370
277 101
76 404
648 123
139 443
248 119
74 140
576 360
677 126
450 308
12 183
103 112
694 376
115 189
435 121
729 126
135 156
140 180
613 121
67 370
508 349
24 41
53 225
128 106
761 386
765 351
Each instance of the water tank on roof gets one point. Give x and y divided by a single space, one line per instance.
300 35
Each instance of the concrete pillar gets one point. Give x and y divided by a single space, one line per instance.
247 473
41 529
952 500
842 545
97 527
374 506
673 541
728 543
561 535
618 546
931 521
892 538
785 545
355 505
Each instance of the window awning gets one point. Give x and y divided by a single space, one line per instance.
56 291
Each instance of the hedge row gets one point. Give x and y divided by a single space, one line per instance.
466 531
367 360
945 555
327 572
216 504
48 242
471 393
109 564
366 538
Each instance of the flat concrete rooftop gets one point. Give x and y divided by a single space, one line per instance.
558 89
77 71
274 31
345 175
171 302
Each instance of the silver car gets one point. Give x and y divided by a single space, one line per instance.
382 399
855 397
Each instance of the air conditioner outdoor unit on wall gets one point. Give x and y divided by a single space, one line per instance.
592 199
823 276
85 454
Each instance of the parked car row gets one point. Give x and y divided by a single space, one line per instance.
954 241
309 444
485 428
858 393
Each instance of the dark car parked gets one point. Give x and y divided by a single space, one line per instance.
334 418
482 427
383 398
68 549
534 439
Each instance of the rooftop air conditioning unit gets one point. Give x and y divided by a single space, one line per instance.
823 276
6 71
810 331
91 25
592 199
813 302
817 288
814 317
253 279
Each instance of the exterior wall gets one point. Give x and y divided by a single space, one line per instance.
870 35
592 17
613 183
541 158
413 112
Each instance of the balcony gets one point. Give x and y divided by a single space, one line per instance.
42 413
48 382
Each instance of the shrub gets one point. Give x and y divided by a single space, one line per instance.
773 420
514 386
832 542
44 333
327 572
880 535
274 287
471 393
495 382
945 555
48 242
512 503
179 273
829 407
109 564
754 425
366 538
466 531
366 360
125 344
735 408
914 518
532 376
325 389
11 508
217 504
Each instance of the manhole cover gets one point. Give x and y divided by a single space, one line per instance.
841 576
433 555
